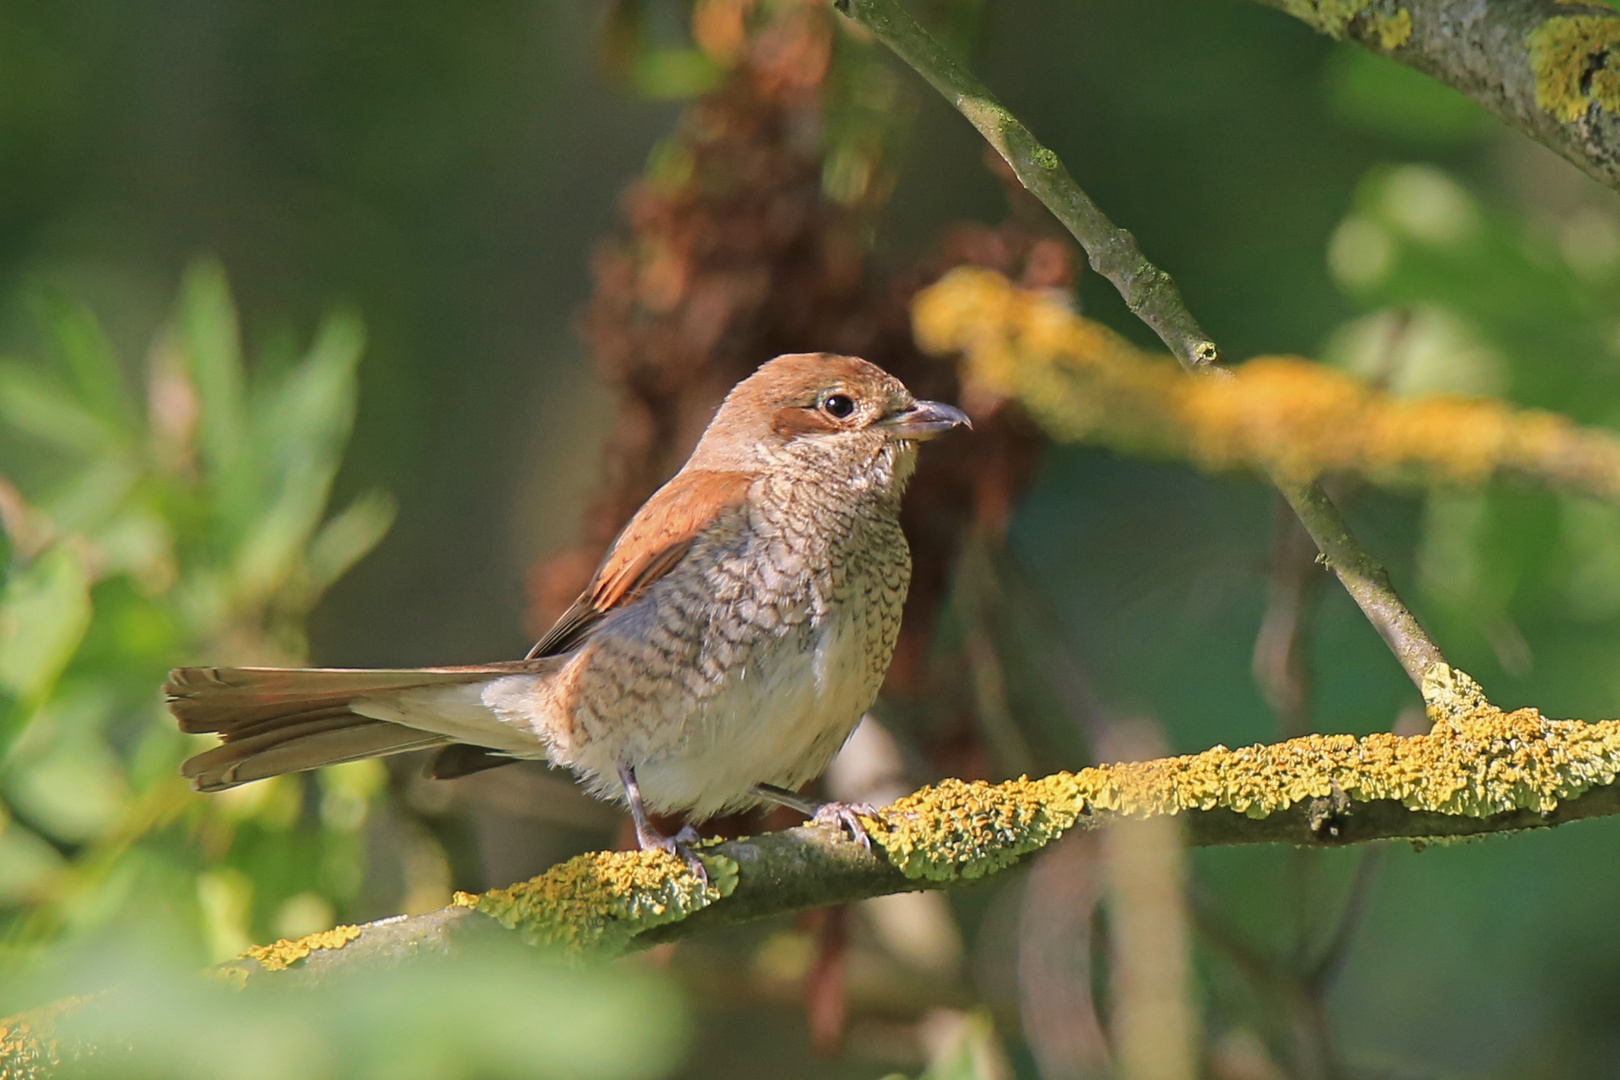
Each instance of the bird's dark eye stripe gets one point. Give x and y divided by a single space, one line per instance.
838 405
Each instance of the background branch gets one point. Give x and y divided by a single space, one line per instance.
1152 296
1549 69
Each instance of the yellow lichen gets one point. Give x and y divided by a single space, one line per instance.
1393 30
1327 16
285 953
1477 761
599 901
1291 418
29 1046
1576 63
25 1052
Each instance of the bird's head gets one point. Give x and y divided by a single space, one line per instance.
839 417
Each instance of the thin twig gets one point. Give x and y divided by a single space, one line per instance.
1280 666
1331 962
1151 295
976 593
1148 291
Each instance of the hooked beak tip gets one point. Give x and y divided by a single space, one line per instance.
925 419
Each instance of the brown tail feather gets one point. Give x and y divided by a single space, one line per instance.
281 720
224 698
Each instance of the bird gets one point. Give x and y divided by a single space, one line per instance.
729 642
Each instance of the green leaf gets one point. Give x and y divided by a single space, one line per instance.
36 404
302 429
347 538
44 613
212 345
27 863
90 360
76 793
90 499
311 411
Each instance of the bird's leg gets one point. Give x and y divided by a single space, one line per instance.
650 838
846 816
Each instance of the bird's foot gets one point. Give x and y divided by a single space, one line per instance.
683 845
847 816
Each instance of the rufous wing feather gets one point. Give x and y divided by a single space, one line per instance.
649 547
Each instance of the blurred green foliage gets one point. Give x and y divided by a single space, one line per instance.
497 1012
156 515
448 170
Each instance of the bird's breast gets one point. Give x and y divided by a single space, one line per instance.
750 662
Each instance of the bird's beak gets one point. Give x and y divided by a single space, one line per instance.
925 419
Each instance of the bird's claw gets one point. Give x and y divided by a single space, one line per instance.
847 816
682 845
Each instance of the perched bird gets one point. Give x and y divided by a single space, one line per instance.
730 641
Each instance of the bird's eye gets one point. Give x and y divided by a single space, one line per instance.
838 406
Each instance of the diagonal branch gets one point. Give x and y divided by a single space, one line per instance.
1153 298
1549 68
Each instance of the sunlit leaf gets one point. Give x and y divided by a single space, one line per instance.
212 343
347 538
77 793
27 862
302 428
277 537
494 1013
316 399
44 613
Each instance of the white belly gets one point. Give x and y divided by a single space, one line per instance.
777 721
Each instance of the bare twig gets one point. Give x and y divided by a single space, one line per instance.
1150 294
1148 291
1331 961
1280 666
1054 961
976 593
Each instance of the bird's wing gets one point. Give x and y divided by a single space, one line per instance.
652 545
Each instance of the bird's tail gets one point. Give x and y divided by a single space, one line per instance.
282 720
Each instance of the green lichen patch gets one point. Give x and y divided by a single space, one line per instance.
596 903
1576 63
1477 761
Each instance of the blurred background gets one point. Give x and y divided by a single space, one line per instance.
350 334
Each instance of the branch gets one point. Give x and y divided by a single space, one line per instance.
1153 298
1550 68
1478 771
1294 420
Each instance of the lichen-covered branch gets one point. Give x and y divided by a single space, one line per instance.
1550 68
1153 298
1289 418
1478 771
